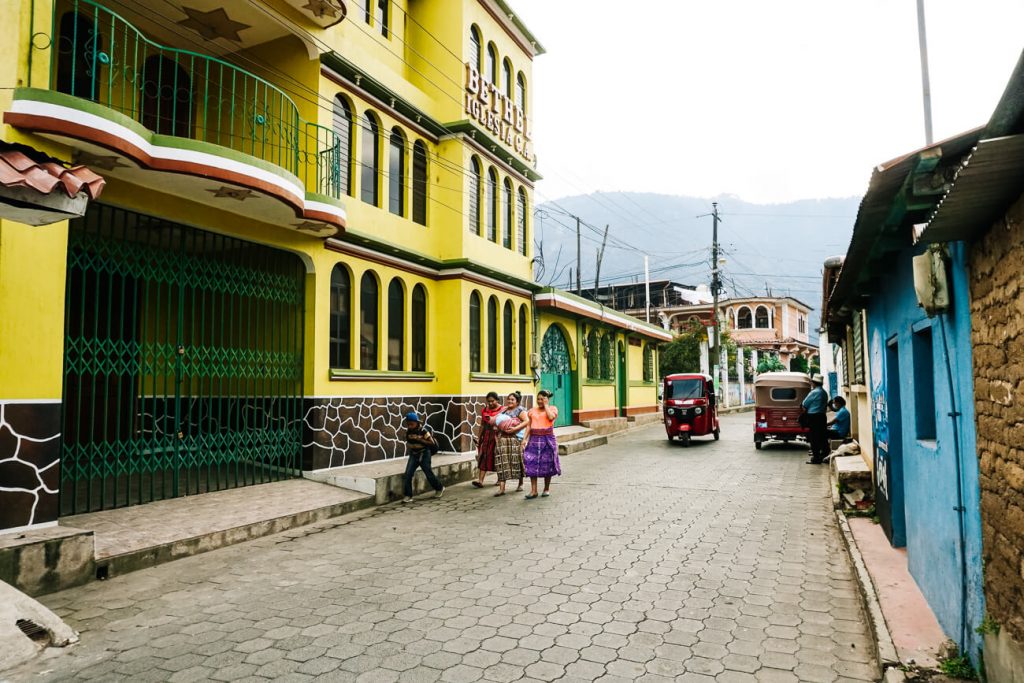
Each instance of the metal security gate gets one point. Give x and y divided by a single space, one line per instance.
183 362
556 373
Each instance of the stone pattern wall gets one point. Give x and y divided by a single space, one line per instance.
997 320
351 430
29 463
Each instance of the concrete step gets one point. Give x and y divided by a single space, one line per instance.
572 433
585 443
645 419
850 474
383 479
607 425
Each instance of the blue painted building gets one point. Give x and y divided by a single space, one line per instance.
921 385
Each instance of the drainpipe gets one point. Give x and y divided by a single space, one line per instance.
954 416
536 351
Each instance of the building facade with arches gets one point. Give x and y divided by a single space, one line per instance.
316 217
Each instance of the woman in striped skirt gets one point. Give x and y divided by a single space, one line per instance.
508 450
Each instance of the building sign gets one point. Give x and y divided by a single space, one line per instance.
497 113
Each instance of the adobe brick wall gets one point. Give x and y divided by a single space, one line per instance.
997 321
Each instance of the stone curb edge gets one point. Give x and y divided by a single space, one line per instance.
885 649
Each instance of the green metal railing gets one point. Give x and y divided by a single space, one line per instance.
99 56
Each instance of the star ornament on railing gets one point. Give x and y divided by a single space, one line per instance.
213 24
310 226
233 193
322 8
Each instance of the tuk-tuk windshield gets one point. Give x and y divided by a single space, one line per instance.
680 389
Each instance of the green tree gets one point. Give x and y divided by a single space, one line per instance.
682 354
798 364
770 364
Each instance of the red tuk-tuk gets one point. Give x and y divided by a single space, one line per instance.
689 407
777 399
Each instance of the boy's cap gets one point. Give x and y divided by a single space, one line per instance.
412 417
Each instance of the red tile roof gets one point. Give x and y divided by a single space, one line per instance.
18 169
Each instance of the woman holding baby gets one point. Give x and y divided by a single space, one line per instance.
509 426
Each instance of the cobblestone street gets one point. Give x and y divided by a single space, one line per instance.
649 561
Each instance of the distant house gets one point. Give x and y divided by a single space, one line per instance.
776 326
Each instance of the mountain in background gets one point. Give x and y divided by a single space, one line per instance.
776 248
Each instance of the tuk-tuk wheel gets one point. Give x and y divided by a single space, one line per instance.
757 445
685 438
718 432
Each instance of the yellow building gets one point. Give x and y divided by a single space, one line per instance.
317 216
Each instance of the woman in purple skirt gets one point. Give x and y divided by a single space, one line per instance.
540 455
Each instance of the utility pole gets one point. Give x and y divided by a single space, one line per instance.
600 257
647 289
579 288
926 89
715 286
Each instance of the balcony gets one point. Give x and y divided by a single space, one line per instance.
226 133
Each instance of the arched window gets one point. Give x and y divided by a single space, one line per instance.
506 78
76 47
491 201
523 332
521 226
521 91
475 179
340 350
648 363
492 335
166 97
593 355
474 332
761 317
606 356
507 228
474 47
344 130
369 315
396 173
506 338
419 329
419 183
370 190
396 325
743 319
491 64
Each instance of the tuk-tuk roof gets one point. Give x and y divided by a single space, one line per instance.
782 379
687 375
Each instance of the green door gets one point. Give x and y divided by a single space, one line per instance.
556 373
183 362
621 381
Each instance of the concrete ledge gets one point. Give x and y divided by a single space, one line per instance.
885 649
42 561
114 565
383 479
607 425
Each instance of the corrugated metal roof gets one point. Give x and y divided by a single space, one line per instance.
989 181
18 169
886 181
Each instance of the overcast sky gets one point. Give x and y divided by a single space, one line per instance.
770 101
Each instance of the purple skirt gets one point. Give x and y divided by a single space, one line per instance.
540 457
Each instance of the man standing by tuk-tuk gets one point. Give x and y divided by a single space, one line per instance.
814 407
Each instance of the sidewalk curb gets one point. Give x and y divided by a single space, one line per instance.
885 650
